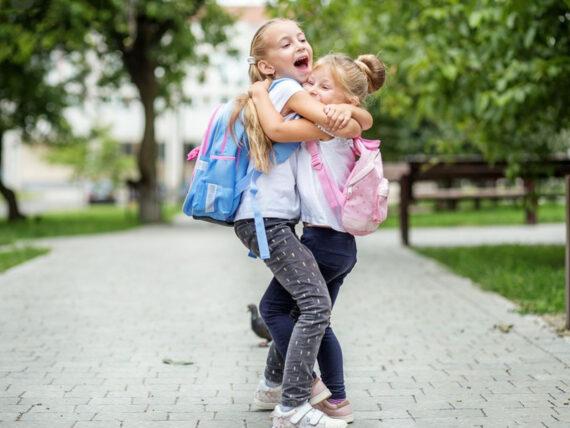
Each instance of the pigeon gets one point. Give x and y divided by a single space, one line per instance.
258 326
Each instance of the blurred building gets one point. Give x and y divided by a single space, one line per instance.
26 171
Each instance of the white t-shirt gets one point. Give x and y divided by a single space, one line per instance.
339 159
277 196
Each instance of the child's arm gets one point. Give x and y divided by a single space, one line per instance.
339 114
275 126
313 110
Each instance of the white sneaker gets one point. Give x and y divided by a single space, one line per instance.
304 416
266 397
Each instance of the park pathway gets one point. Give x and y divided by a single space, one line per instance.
84 331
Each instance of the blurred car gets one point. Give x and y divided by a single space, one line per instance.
101 192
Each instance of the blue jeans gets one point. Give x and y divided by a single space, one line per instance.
335 253
295 267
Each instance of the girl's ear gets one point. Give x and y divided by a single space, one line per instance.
265 68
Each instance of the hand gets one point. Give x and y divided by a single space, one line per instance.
338 115
259 87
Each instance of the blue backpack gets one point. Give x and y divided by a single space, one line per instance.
221 173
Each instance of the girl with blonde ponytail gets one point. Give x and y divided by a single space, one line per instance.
341 84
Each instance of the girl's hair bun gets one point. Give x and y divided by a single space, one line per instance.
374 69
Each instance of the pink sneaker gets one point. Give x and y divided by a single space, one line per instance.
319 391
342 410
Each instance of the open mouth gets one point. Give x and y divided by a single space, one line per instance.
302 62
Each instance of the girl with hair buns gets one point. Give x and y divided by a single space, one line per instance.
337 81
280 50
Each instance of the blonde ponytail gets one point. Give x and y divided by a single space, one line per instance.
259 145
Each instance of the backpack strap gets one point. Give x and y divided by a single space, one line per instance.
204 146
334 197
262 243
276 82
368 144
361 145
282 152
250 180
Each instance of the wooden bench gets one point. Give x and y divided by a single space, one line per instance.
425 169
455 194
451 196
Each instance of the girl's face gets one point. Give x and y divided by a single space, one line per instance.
322 85
288 52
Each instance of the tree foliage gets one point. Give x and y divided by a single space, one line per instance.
96 157
164 35
33 95
147 43
476 75
151 43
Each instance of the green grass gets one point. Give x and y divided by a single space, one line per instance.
424 215
5 240
92 220
95 219
530 275
170 211
14 256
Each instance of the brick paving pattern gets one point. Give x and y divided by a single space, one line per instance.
84 331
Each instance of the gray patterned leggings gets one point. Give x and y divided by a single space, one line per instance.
294 266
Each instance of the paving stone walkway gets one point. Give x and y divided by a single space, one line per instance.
84 331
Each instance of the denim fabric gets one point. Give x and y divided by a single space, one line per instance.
335 253
295 268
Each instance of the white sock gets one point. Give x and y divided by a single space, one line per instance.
289 408
271 384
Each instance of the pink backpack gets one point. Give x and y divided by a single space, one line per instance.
363 203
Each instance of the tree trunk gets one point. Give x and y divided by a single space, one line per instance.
149 196
141 69
14 213
530 201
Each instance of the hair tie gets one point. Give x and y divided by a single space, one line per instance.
251 60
